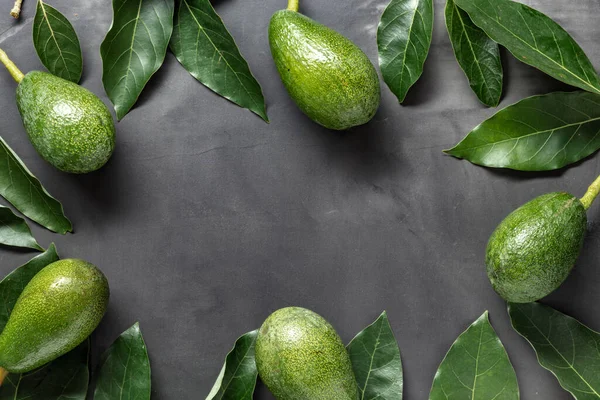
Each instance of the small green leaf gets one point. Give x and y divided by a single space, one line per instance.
204 46
14 283
14 231
56 43
477 55
237 378
134 48
535 39
125 369
376 361
403 38
540 133
476 367
25 192
564 346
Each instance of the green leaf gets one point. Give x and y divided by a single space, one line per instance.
376 361
477 55
204 46
56 43
65 378
540 133
134 48
14 231
534 39
476 367
14 283
237 378
564 346
25 192
403 39
125 370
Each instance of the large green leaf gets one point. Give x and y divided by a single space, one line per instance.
476 367
204 46
564 346
376 361
14 231
237 378
539 133
25 192
535 39
56 43
403 39
125 370
477 55
134 48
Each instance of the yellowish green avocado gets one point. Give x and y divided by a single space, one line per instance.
300 356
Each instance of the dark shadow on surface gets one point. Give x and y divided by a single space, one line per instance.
513 175
154 86
424 88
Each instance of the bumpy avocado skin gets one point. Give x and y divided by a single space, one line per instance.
300 356
533 250
59 308
328 76
69 126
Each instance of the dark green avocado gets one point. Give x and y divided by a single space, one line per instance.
300 356
58 309
329 77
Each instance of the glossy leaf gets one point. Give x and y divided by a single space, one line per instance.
539 133
535 39
56 43
564 346
134 48
25 192
237 378
376 361
14 231
204 46
403 38
476 367
477 55
125 370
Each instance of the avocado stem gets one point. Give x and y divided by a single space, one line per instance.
11 67
3 374
16 10
293 5
589 196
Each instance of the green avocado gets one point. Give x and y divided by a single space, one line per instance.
300 356
533 250
58 309
329 77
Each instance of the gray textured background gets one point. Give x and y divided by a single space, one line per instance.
207 219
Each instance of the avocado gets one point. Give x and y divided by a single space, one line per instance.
69 126
299 356
331 80
58 309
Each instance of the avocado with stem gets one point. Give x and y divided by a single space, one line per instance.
69 126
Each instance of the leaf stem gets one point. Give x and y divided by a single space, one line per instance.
15 72
293 5
3 374
16 10
589 196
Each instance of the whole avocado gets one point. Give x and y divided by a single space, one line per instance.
58 309
331 80
534 249
300 356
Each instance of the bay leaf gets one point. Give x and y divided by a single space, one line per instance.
535 39
205 48
125 369
56 43
403 39
476 367
237 378
25 192
376 361
477 55
539 133
14 231
564 346
134 48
